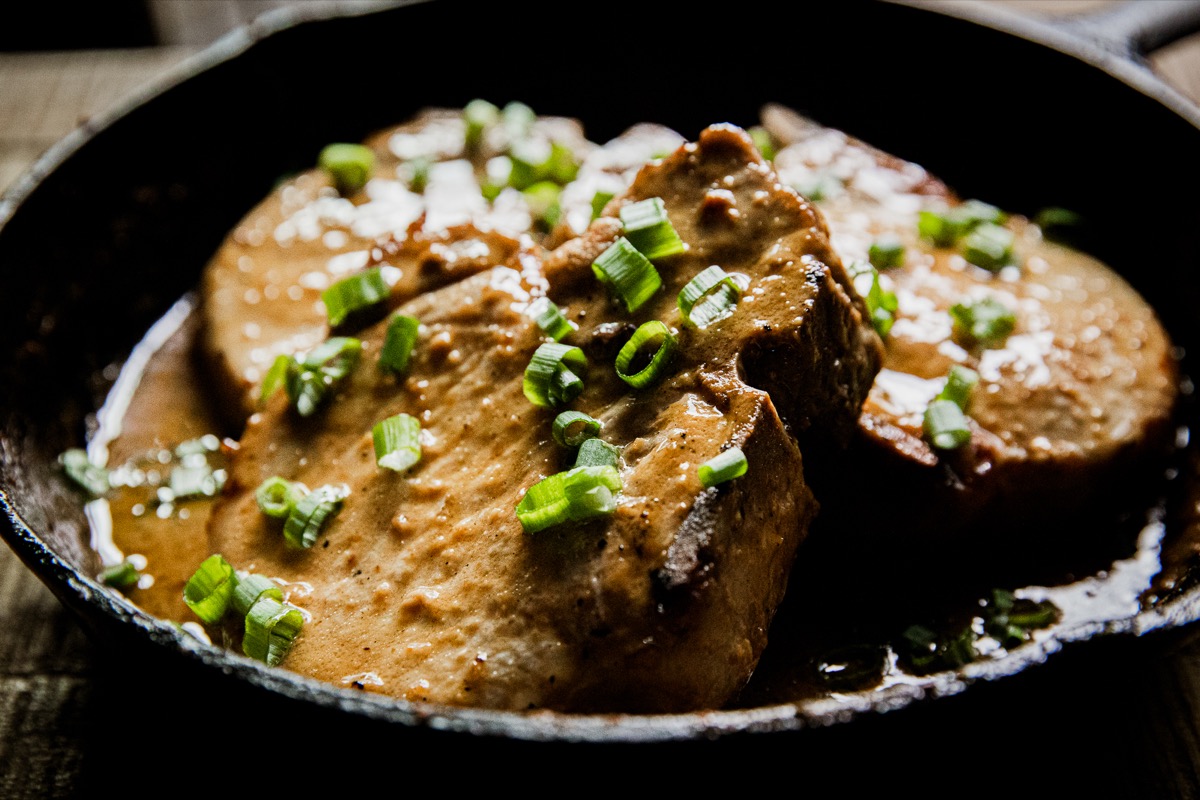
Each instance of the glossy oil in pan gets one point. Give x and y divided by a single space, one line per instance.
115 224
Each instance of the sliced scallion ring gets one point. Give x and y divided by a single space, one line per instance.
120 576
573 428
277 496
397 442
649 229
651 335
276 376
551 375
989 246
311 377
599 201
550 319
271 630
725 466
959 384
596 452
886 252
986 322
398 343
348 165
311 514
478 116
250 588
628 274
209 590
92 478
946 425
578 494
709 297
353 294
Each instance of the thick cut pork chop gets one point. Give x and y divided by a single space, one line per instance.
1073 407
424 586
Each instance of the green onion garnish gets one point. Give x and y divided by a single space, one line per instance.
627 273
724 466
599 201
596 452
573 428
311 513
276 376
886 253
277 497
208 591
946 425
655 335
989 246
648 229
353 294
311 378
881 303
550 318
397 442
544 208
551 379
946 228
578 494
271 630
478 116
349 166
709 297
120 576
960 382
90 477
986 322
250 589
764 141
418 173
398 343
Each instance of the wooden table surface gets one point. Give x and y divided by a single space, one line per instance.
1131 723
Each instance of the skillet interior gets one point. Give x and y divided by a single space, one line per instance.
102 246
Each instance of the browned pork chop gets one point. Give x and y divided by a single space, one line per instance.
1072 407
424 586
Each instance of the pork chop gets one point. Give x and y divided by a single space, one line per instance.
425 586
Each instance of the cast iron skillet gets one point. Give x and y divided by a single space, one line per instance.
115 223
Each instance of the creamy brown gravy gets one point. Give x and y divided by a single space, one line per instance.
168 408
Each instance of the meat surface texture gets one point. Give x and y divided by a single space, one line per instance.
1073 407
424 585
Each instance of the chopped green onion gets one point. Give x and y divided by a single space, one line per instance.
478 116
627 273
353 294
946 228
311 378
120 576
881 303
276 376
946 425
653 334
596 452
533 162
271 630
208 591
764 141
1056 217
822 186
886 253
986 322
397 442
418 169
573 428
717 293
960 382
398 343
92 478
544 208
311 513
348 165
649 229
578 494
250 589
989 246
599 201
277 497
550 379
725 466
550 318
